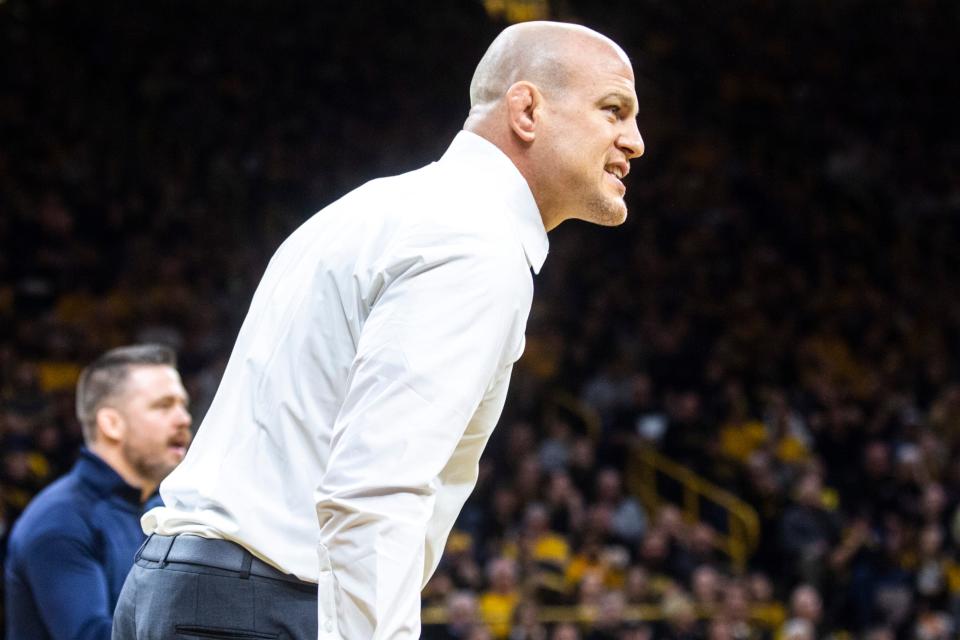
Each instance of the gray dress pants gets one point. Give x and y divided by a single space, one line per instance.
187 587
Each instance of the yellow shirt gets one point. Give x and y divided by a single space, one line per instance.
496 610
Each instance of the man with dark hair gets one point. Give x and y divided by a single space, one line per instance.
374 363
70 551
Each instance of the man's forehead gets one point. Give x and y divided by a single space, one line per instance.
599 52
607 81
598 63
153 378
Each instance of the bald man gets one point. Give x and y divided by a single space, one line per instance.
374 361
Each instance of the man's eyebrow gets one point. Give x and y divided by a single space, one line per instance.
625 100
172 397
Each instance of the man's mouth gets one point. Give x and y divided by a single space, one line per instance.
616 172
178 446
619 171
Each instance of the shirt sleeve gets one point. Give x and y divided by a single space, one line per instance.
430 351
459 476
70 588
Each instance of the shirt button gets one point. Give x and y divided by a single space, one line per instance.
328 625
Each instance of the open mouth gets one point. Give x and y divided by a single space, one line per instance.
616 170
615 174
178 446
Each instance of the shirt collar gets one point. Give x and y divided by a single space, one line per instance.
516 192
93 470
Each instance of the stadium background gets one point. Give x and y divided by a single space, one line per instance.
779 318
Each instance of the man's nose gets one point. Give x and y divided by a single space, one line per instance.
631 142
183 416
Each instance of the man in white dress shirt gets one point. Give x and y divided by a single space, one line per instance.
374 361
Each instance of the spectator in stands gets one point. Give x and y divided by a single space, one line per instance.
526 623
582 464
679 619
627 518
873 491
636 631
71 550
701 547
565 631
462 618
707 589
736 610
590 591
934 625
609 623
480 633
882 583
543 553
641 589
880 632
502 595
564 503
807 529
765 608
554 450
806 612
528 483
718 628
654 554
798 629
933 507
934 568
501 519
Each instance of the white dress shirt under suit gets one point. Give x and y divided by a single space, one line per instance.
366 379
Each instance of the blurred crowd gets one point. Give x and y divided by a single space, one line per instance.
781 312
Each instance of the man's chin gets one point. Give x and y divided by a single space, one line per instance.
612 214
619 218
603 210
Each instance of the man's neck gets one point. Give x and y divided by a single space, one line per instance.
116 461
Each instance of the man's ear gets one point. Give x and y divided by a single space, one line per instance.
523 109
110 423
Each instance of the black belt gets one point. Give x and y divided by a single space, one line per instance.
209 552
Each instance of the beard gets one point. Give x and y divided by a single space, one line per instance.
606 211
146 464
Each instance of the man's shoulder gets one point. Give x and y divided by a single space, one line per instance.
58 510
437 192
427 215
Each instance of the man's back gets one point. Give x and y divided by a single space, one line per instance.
256 470
69 554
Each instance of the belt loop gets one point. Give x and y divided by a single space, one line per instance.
245 567
163 560
142 547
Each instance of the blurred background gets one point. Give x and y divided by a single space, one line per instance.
738 415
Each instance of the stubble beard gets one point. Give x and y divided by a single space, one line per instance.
149 467
607 212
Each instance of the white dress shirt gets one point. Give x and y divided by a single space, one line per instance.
366 379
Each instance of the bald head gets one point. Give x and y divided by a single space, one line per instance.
559 101
542 53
